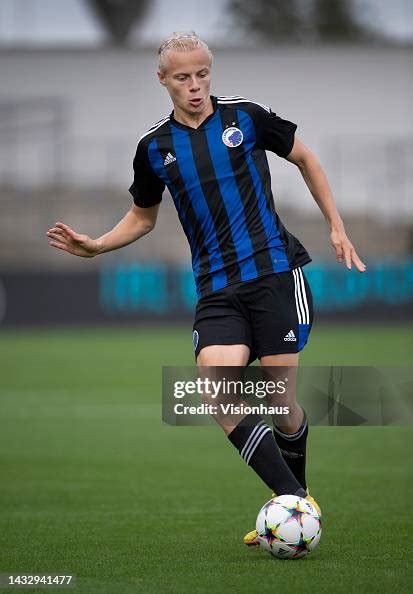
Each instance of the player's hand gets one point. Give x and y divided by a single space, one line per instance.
345 251
64 238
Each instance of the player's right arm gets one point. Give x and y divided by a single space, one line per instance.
146 189
135 224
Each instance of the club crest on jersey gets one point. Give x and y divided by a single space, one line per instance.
232 137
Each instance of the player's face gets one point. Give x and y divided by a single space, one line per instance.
188 79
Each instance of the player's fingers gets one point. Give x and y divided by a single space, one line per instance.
361 267
339 251
347 255
56 235
68 230
58 245
57 230
63 226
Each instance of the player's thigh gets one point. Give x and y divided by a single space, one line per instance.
223 362
223 355
223 339
282 360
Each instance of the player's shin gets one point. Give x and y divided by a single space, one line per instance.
255 442
293 449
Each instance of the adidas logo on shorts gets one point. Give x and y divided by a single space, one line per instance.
169 159
290 337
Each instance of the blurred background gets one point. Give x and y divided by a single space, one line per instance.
79 87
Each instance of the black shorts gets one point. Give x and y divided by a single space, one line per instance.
271 315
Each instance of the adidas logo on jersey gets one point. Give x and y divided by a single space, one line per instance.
290 337
169 159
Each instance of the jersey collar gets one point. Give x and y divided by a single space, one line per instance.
202 124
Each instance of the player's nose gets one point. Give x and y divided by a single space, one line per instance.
193 84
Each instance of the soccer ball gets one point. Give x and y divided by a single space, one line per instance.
289 527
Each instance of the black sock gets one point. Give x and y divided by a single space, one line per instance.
293 450
256 444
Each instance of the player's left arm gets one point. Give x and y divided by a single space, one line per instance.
317 183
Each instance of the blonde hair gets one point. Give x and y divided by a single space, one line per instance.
180 41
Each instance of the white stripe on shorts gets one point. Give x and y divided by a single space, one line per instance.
301 297
304 295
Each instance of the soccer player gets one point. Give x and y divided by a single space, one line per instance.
254 300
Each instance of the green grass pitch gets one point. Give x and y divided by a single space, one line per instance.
93 484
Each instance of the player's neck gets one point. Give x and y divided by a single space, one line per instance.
193 120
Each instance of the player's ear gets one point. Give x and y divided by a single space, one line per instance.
161 77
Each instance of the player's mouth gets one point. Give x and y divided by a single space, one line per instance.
196 102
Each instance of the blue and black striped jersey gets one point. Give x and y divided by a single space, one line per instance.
219 179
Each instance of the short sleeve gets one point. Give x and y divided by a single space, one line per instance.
273 133
147 188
